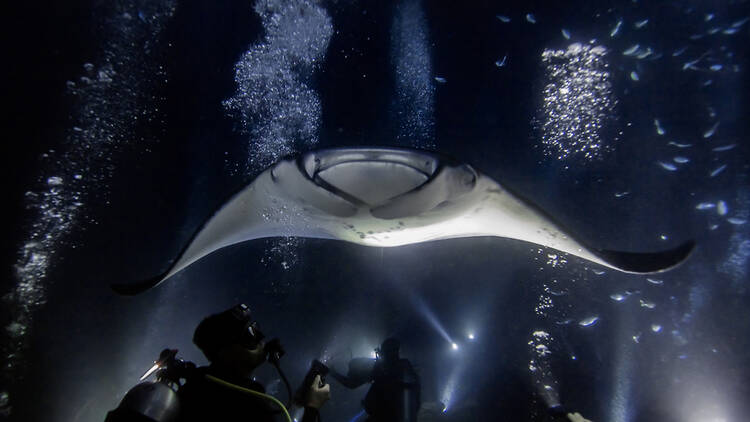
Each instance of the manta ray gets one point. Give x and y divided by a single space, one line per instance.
388 197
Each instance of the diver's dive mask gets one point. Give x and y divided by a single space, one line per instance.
250 336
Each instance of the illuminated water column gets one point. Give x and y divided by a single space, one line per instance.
414 105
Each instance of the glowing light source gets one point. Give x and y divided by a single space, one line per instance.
471 336
454 346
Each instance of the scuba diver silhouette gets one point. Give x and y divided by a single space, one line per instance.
395 392
223 390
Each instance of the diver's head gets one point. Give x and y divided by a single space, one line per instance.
388 351
231 339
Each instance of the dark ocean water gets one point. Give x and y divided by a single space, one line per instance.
134 120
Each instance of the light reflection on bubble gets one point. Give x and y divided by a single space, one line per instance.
577 103
415 90
109 105
273 102
540 367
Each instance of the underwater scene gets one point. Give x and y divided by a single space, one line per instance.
532 211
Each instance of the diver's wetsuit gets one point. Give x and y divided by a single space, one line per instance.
202 400
395 392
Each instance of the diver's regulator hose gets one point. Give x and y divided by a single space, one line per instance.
251 392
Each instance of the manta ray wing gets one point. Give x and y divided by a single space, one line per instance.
387 197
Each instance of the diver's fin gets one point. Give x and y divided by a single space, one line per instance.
644 263
132 289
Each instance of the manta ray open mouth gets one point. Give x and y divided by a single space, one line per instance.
388 197
369 176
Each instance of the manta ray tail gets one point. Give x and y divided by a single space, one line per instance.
644 263
132 289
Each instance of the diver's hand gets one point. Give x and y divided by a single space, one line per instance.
318 395
576 417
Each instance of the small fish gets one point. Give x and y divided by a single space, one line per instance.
440 80
616 29
708 17
634 76
681 160
503 19
587 322
705 206
739 23
713 227
715 67
598 272
708 82
631 292
617 297
655 281
637 338
678 145
730 31
564 322
530 17
659 129
565 33
724 148
655 328
667 166
713 30
710 132
647 304
721 208
736 221
641 24
679 51
501 62
690 65
645 53
718 170
630 51
621 194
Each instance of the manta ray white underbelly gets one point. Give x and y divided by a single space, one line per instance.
387 197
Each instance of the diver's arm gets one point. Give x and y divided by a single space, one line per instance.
318 395
345 380
311 415
576 417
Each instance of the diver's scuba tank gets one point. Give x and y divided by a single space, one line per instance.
155 401
411 386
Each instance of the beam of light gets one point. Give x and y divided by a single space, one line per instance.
450 391
150 371
622 402
432 319
357 416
